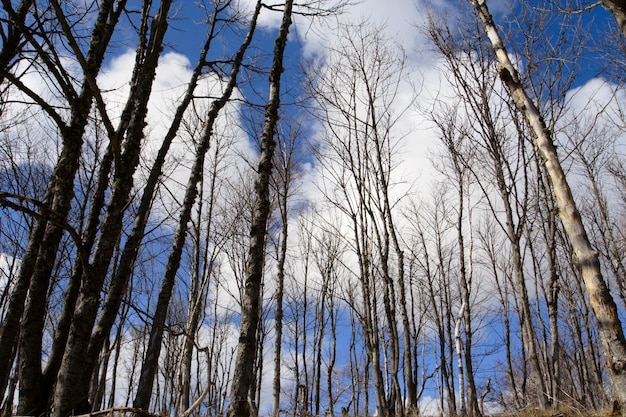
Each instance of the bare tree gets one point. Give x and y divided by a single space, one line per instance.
454 138
240 402
68 395
283 181
47 231
435 267
124 269
586 258
150 363
474 83
356 92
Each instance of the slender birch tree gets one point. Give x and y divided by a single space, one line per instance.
586 258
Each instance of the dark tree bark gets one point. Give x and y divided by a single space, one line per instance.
150 363
11 44
125 266
41 252
72 387
251 308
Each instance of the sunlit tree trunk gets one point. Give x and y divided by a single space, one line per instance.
586 258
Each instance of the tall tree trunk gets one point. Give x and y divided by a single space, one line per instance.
369 318
199 279
460 361
283 194
42 248
90 232
529 335
553 287
469 402
150 363
602 303
330 368
251 308
73 381
472 395
129 253
278 318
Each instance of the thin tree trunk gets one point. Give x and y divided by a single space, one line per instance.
195 304
492 248
472 395
602 303
468 400
280 284
330 368
529 336
370 320
203 270
116 358
318 338
552 290
459 355
251 308
150 363
279 327
97 391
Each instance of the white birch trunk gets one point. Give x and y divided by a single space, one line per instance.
602 303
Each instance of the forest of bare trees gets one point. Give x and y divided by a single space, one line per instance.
244 208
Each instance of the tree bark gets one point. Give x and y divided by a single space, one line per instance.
71 392
150 363
62 330
124 269
11 44
283 186
41 252
246 350
586 258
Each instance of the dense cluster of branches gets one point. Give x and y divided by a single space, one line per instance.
152 258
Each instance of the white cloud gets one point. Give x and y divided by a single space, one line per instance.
171 81
597 96
270 17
